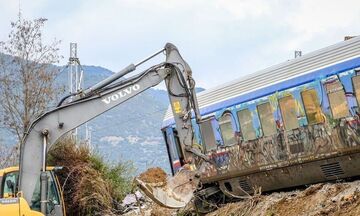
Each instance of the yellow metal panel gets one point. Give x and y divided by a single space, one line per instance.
10 206
15 168
16 207
25 209
177 107
8 169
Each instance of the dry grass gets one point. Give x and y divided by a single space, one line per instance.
333 199
243 208
90 186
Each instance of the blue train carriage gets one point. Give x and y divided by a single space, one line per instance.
291 124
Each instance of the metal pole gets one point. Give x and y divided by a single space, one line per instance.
119 74
150 57
44 176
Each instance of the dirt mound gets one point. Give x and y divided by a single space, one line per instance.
320 199
154 175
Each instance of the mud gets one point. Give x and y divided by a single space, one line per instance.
154 176
332 199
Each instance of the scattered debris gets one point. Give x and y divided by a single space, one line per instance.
149 208
133 202
132 199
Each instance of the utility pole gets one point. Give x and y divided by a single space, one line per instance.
76 85
298 53
76 80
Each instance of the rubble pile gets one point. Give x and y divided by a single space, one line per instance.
319 199
145 207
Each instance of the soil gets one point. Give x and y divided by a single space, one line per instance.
332 199
154 175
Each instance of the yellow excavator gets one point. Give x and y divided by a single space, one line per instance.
11 203
33 189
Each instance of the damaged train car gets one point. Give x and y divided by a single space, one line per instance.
291 124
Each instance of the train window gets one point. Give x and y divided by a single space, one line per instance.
356 84
246 124
207 134
312 106
267 120
337 99
227 131
288 112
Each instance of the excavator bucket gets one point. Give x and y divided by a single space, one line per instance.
175 193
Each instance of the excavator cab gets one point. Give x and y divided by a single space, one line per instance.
8 189
9 178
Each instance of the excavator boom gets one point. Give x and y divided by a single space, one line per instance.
113 91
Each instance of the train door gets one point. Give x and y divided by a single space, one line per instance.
176 157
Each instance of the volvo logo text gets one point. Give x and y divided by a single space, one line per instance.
120 94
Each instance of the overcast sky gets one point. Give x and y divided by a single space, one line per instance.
221 39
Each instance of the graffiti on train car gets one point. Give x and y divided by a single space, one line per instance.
292 125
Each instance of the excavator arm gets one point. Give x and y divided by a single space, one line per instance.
109 93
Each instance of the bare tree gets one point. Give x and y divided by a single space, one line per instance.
27 75
8 156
